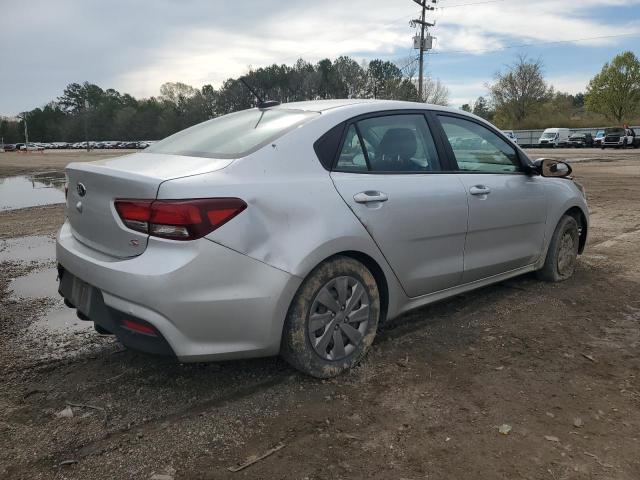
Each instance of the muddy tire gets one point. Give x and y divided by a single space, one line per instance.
562 255
333 318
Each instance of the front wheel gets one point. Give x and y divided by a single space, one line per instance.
562 255
333 318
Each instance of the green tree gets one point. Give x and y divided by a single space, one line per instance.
466 108
482 109
615 91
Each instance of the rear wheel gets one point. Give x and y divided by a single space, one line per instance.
562 255
333 318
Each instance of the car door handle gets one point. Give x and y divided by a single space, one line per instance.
370 197
480 190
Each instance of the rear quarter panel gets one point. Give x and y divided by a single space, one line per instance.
295 218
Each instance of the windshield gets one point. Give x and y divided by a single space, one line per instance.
600 133
578 135
549 135
234 135
614 131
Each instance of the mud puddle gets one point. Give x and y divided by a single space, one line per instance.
39 189
34 248
58 318
41 283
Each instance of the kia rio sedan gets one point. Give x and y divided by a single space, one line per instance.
297 229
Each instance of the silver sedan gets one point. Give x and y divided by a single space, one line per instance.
298 228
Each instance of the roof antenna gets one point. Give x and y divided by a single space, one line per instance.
261 103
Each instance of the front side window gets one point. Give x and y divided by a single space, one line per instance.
478 149
394 144
234 135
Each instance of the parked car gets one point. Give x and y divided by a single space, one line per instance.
580 140
554 137
9 147
297 229
31 147
511 136
599 138
128 145
620 137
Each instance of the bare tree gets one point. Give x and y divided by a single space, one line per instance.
435 92
518 91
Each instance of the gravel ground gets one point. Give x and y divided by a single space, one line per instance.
558 364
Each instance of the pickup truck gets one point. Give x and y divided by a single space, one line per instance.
620 137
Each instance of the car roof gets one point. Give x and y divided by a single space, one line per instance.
364 105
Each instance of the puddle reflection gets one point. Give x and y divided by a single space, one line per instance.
39 189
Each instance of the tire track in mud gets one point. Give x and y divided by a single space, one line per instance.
97 446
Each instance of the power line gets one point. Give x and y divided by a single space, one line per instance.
533 44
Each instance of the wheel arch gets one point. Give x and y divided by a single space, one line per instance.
578 214
373 266
378 275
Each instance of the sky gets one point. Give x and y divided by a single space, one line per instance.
135 46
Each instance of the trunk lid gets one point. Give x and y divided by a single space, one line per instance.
94 186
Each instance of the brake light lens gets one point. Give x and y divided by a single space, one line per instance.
178 219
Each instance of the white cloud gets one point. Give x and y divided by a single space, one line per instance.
137 46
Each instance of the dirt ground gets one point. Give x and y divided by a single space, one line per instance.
554 366
18 163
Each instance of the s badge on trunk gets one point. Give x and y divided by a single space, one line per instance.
81 189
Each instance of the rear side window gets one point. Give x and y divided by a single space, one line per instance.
352 157
234 135
393 143
478 149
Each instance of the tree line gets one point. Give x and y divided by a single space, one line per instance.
518 98
86 111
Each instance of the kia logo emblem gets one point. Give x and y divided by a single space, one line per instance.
81 189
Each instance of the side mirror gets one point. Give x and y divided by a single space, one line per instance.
549 167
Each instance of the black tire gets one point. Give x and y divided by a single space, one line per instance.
562 255
297 347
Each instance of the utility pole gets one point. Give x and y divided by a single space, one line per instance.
26 133
86 131
424 44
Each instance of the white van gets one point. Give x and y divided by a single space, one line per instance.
555 137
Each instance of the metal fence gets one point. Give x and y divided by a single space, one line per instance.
531 138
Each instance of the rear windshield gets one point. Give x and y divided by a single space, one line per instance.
234 135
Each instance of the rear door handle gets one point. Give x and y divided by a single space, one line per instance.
370 197
480 190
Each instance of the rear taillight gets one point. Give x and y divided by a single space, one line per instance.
178 219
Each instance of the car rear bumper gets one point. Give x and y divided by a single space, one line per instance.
206 301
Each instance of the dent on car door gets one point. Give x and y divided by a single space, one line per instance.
507 207
389 173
